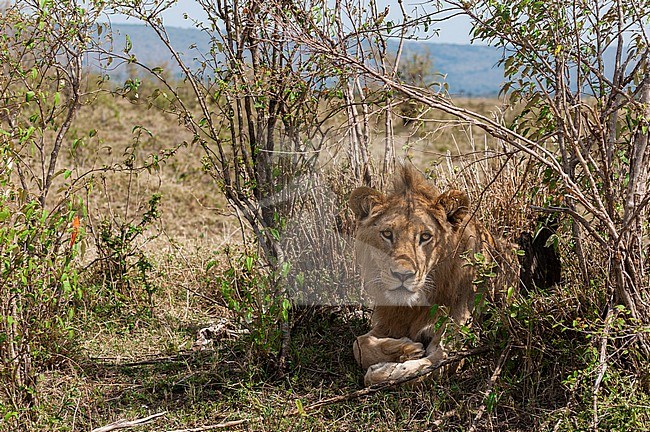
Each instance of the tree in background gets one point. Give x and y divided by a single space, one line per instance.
580 71
584 119
257 106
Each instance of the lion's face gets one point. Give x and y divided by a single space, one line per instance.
401 238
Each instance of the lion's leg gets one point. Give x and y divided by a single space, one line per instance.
388 371
369 350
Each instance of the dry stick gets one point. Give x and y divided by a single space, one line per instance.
355 394
602 366
215 426
493 380
124 424
115 362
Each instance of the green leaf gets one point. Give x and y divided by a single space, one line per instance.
29 96
286 306
286 267
129 44
66 283
433 310
552 241
248 263
10 414
301 409
491 401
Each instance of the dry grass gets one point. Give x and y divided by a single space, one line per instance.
127 129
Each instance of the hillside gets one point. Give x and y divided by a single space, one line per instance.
469 70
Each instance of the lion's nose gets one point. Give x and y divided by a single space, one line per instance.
402 276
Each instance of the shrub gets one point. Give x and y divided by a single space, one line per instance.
38 282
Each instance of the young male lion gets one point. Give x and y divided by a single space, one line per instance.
413 248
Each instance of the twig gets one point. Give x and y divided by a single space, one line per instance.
488 391
285 330
602 366
215 426
115 362
125 424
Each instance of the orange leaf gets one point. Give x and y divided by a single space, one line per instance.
75 229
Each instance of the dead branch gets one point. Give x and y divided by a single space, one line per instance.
116 361
215 426
602 366
125 424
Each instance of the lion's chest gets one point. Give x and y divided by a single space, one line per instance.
398 322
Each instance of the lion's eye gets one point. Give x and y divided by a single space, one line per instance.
425 237
387 234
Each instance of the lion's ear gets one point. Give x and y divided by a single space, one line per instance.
363 199
455 204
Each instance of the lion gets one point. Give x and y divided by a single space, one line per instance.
414 248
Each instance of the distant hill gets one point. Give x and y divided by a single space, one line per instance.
469 70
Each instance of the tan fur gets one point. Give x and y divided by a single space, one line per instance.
412 247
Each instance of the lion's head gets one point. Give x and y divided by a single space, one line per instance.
404 236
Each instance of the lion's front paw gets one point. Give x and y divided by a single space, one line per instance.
411 351
404 349
382 372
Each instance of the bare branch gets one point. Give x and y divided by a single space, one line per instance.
127 424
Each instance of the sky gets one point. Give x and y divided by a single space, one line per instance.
455 30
